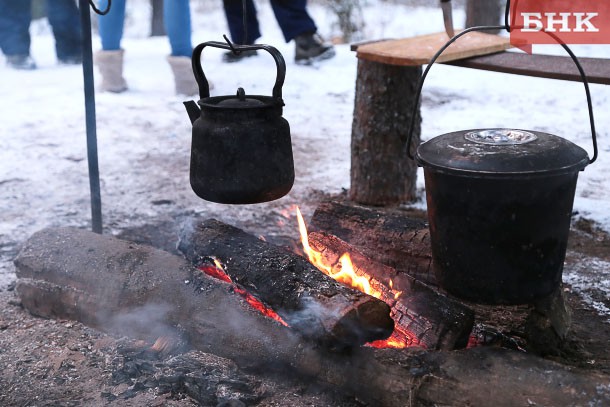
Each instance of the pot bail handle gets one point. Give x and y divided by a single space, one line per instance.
508 28
204 87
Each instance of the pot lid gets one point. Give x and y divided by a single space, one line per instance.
501 151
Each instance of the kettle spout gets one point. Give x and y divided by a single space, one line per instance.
192 109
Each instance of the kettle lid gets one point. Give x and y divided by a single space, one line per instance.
501 151
240 101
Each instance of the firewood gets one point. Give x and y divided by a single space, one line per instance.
436 321
75 274
309 301
122 287
388 236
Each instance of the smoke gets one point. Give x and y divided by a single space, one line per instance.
147 322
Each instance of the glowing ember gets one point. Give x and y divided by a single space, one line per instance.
345 273
400 338
396 293
218 272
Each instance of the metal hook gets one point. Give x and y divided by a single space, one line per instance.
228 41
97 10
245 28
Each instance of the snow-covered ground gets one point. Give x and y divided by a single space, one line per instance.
144 134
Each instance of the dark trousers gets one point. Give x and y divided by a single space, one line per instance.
15 18
291 16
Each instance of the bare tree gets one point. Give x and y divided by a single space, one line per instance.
349 18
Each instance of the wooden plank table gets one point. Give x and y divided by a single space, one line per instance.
420 50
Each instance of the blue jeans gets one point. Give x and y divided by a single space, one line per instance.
176 15
291 16
63 15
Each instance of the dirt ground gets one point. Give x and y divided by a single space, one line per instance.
63 363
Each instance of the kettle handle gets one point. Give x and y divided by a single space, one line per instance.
508 28
204 87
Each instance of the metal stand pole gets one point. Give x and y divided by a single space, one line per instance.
94 175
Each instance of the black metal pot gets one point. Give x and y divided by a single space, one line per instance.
499 207
241 151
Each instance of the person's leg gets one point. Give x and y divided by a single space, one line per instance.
64 19
293 18
177 19
234 13
15 17
111 24
109 59
297 25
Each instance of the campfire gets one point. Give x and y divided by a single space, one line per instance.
274 312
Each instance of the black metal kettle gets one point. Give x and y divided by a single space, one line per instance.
241 151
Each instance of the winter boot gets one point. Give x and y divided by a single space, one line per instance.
310 48
24 62
183 75
110 65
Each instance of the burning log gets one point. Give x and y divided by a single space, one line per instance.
102 281
309 301
425 317
388 236
402 242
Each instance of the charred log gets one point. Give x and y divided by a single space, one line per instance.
434 320
118 277
389 236
134 290
309 301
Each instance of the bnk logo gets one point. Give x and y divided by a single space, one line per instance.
567 21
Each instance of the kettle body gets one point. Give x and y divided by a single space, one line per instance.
241 150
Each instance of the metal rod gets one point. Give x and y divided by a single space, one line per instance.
94 175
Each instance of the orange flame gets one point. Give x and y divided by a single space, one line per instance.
217 271
345 273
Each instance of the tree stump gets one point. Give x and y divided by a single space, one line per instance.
381 173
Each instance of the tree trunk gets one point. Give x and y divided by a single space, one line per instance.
157 27
381 172
76 274
484 12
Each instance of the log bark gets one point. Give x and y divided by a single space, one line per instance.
106 276
308 300
425 317
381 173
389 236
